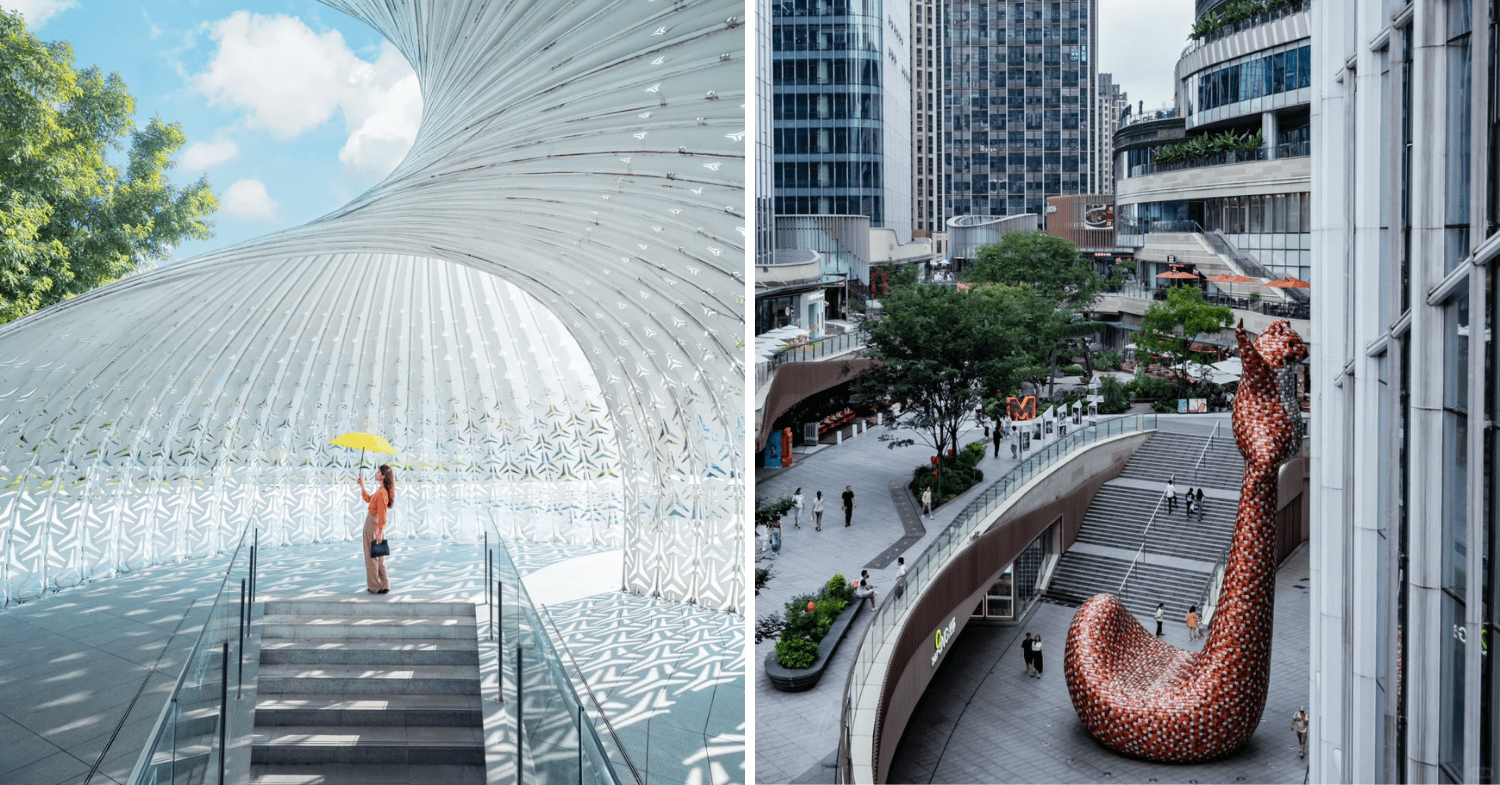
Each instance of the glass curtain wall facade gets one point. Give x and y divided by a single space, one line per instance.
1407 237
1019 102
841 75
765 172
928 185
1274 229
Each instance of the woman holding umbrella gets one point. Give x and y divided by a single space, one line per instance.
381 500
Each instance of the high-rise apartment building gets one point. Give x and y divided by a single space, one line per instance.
765 178
841 106
927 187
1018 103
1405 392
1112 103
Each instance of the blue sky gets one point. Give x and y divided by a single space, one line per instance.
289 106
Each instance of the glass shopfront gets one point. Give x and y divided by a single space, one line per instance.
1013 591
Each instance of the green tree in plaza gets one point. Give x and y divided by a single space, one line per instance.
1061 284
941 351
1170 326
71 221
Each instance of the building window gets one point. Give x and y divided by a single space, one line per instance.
1457 154
1455 480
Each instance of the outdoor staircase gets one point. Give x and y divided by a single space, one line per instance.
1177 554
382 690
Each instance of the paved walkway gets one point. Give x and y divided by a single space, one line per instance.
795 732
984 720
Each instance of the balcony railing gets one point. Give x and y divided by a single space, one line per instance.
1251 22
1285 150
816 350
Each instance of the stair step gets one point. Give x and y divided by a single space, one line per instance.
383 744
366 608
369 680
339 709
428 774
345 627
369 651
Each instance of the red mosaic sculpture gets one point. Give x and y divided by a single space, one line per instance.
1141 696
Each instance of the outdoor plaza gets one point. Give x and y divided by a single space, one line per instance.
981 719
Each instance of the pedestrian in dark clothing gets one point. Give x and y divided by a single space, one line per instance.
1036 655
998 432
1027 654
1161 613
848 504
1190 501
1199 505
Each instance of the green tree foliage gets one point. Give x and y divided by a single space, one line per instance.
69 220
1061 283
941 350
1171 326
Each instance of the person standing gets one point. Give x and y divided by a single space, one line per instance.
1161 613
1171 495
817 511
998 435
1199 505
927 500
848 504
1192 623
1036 655
797 508
775 529
1299 725
1026 654
384 498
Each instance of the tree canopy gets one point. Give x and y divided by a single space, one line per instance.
1170 326
71 221
942 350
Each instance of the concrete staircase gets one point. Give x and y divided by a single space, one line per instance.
1168 454
1178 553
1192 248
384 690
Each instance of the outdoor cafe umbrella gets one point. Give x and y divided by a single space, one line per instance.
1289 283
362 442
1231 280
1178 275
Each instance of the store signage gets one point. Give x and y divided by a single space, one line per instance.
942 637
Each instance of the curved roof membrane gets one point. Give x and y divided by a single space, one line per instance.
541 308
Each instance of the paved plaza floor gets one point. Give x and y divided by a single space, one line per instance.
984 720
98 661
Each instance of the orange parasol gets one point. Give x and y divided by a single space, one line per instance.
1289 283
1230 279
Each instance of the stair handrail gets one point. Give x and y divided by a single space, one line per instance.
1210 603
1204 453
1141 551
593 699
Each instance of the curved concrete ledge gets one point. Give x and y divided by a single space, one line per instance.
788 680
904 661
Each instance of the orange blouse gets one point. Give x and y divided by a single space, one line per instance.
378 504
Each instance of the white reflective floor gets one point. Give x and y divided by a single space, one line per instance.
670 677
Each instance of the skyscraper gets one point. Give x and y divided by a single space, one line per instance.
928 188
841 110
1111 102
1018 104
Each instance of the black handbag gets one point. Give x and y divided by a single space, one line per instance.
379 548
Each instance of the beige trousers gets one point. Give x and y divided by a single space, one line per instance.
375 578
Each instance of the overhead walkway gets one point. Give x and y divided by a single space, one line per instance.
1131 546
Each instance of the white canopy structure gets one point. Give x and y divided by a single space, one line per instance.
539 308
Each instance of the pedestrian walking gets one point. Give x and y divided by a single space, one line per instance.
1161 613
1013 448
998 435
1171 495
927 500
1192 623
775 529
1190 500
1036 655
797 508
1299 724
1026 654
900 566
848 504
817 511
1199 505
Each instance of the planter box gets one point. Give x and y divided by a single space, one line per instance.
788 680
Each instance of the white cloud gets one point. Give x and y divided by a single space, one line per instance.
290 79
37 12
248 199
205 155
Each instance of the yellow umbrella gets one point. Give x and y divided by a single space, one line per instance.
362 442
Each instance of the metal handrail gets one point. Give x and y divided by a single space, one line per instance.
958 534
1216 576
1204 454
593 699
1141 551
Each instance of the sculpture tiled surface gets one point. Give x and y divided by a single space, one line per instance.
1141 696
